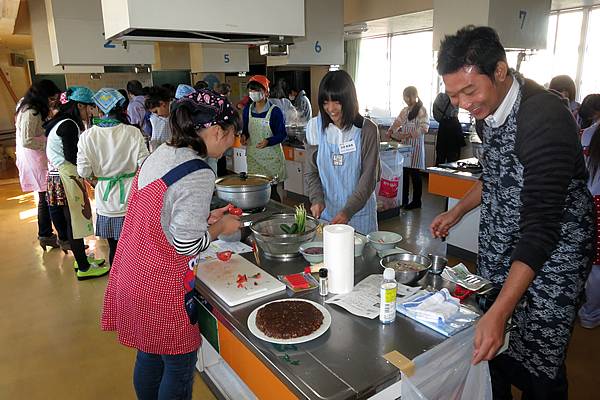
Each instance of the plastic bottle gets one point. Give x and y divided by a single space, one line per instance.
388 289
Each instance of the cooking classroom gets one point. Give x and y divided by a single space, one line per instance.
300 199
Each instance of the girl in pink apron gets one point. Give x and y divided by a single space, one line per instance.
168 224
30 151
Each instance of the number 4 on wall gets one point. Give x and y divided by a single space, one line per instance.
522 15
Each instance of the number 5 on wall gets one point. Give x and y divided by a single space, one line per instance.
522 15
226 56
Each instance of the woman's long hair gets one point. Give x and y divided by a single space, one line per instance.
411 91
183 133
36 97
339 86
71 109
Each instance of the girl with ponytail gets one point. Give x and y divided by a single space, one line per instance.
413 123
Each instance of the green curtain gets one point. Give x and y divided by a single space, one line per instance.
352 57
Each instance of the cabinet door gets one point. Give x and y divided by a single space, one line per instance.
300 155
295 181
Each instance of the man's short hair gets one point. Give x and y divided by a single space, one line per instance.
477 46
135 87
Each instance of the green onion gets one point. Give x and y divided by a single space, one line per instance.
301 218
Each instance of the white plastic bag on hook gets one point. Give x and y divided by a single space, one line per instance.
446 373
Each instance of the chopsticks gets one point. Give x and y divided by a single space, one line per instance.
255 250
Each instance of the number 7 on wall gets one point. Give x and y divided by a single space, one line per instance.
522 15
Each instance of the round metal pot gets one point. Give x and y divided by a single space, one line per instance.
245 191
408 277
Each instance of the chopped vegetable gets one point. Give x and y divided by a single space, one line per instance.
241 279
294 228
300 218
381 240
257 276
236 211
240 286
224 255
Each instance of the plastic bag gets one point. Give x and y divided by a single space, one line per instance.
389 189
445 373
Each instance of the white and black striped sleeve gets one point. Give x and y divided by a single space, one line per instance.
192 247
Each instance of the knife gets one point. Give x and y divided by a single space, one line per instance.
255 250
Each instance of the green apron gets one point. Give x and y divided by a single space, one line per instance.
267 161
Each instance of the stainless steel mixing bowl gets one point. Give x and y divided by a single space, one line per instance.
408 277
274 242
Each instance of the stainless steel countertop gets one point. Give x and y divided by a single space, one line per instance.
347 361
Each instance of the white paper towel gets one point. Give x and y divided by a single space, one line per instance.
338 257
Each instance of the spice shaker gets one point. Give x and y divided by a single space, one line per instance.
323 284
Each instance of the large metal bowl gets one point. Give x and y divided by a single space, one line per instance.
275 242
246 191
408 277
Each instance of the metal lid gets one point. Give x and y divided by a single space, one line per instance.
244 179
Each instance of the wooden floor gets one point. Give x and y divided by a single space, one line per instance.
51 345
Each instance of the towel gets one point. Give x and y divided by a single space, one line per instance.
433 307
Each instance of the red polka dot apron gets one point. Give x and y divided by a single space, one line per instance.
149 299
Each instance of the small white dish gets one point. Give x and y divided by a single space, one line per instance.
382 240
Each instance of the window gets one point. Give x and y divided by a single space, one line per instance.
412 65
372 82
389 64
590 77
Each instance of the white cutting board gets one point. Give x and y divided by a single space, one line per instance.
221 277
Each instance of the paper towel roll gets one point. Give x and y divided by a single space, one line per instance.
338 257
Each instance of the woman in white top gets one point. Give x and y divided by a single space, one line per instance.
414 123
112 151
31 160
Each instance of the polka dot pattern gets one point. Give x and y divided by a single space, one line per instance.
144 300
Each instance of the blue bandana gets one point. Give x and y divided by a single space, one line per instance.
106 99
183 90
81 94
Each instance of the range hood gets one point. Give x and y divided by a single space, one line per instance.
205 21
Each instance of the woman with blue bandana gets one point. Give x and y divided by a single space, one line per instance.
111 151
65 188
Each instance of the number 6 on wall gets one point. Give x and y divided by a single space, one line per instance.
318 47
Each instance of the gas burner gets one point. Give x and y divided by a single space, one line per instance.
254 210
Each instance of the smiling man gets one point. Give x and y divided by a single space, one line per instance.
537 227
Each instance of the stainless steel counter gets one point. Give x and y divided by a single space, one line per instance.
347 361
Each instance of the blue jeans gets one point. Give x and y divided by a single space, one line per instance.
164 377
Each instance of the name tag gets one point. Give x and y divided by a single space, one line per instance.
347 147
264 122
338 160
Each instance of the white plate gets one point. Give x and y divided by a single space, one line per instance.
322 329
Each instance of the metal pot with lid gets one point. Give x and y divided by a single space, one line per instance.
246 191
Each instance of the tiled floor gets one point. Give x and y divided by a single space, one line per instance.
51 346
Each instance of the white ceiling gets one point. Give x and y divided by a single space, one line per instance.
399 24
